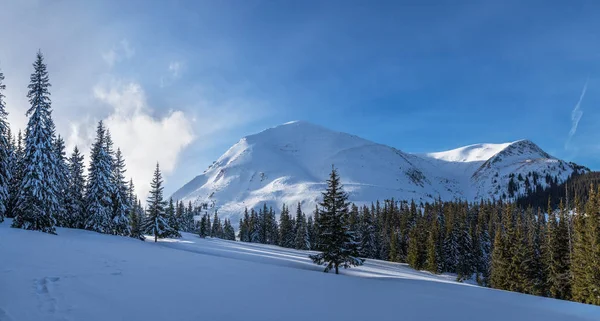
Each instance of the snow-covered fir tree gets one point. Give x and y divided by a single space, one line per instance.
5 153
254 227
99 207
17 170
75 194
180 217
62 181
451 247
301 241
368 237
110 151
136 213
286 228
244 231
215 226
228 231
119 198
271 227
204 229
337 242
156 222
37 200
311 232
172 219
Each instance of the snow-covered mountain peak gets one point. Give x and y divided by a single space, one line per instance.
290 163
522 149
302 133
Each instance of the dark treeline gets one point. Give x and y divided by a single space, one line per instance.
219 229
578 185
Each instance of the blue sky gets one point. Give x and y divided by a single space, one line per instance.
181 81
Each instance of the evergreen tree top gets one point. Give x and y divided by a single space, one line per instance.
39 95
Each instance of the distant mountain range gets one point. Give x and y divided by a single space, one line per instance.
290 163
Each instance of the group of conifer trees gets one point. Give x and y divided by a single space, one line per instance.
550 252
41 188
331 230
262 227
219 229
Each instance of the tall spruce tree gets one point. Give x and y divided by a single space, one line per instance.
301 241
337 242
136 213
310 225
316 231
38 202
451 246
592 236
62 182
228 231
499 278
172 219
482 246
244 227
99 207
517 271
75 196
433 261
368 234
216 228
156 222
17 172
6 152
119 198
559 276
416 251
204 229
286 230
180 217
272 228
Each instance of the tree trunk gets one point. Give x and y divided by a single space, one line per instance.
336 269
155 238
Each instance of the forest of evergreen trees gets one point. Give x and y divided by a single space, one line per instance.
551 250
548 252
41 188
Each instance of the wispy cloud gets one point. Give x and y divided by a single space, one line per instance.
576 115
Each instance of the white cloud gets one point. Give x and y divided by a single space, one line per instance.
118 53
143 138
576 115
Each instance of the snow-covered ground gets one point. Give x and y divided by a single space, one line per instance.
290 163
81 275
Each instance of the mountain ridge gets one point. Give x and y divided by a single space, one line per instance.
289 163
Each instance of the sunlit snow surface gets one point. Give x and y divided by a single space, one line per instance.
81 275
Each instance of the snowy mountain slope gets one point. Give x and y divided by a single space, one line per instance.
290 163
471 153
83 275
